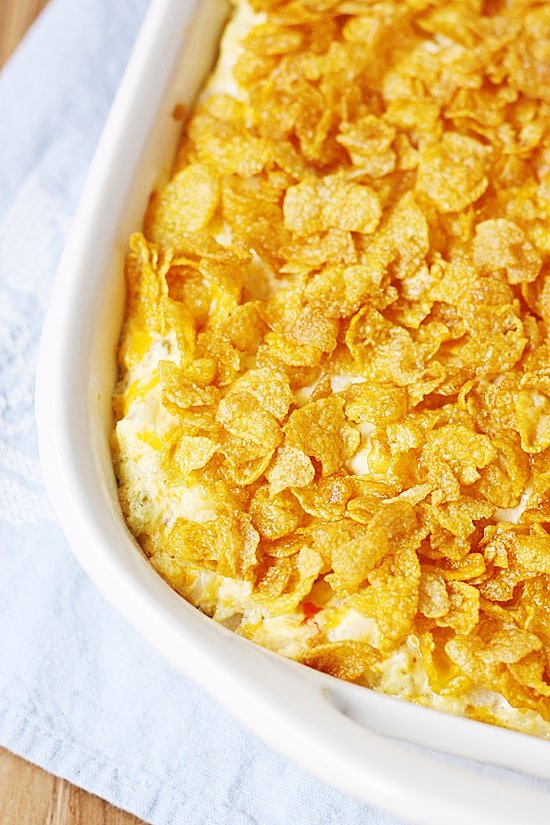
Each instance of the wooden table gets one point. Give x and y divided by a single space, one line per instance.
28 795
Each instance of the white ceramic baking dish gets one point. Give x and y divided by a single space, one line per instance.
382 750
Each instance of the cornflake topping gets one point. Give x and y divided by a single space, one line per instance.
334 361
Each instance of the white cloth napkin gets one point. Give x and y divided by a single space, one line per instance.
80 693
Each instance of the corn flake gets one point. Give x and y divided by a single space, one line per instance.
320 431
291 468
353 560
532 408
501 244
347 660
317 206
452 173
186 204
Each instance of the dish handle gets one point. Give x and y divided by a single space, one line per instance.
419 785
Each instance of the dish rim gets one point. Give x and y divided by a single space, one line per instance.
336 730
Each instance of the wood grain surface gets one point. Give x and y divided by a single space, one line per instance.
15 18
28 795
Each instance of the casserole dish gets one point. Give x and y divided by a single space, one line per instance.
339 731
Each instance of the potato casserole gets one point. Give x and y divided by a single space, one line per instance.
333 414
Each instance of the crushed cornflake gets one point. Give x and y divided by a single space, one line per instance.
333 414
